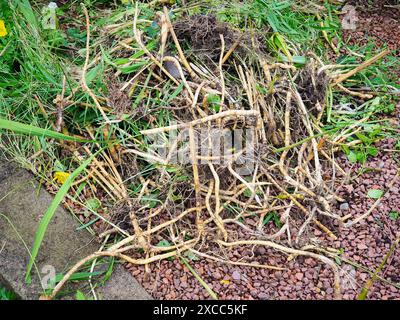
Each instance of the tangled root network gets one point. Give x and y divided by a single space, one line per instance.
245 137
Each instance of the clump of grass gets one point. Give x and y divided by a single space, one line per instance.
7 294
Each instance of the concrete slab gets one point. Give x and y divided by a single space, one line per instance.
22 204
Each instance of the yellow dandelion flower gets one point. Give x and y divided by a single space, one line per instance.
61 177
3 30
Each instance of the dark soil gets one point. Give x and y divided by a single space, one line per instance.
118 100
312 87
202 32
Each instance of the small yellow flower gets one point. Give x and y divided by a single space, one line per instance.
61 177
3 30
225 281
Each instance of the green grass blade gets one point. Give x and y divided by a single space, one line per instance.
36 131
6 294
25 8
201 281
370 282
50 213
78 276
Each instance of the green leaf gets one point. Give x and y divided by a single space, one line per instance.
338 260
79 189
372 151
278 41
394 215
58 166
361 157
32 130
78 276
297 60
247 193
375 193
93 73
7 295
121 61
110 270
133 67
177 91
277 221
214 101
44 223
80 296
163 243
29 15
363 138
352 156
191 256
152 30
93 204
267 218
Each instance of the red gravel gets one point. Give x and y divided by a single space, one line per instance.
367 242
377 22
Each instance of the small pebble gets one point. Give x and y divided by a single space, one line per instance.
344 206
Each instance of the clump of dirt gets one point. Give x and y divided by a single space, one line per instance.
128 166
202 32
120 216
312 86
118 100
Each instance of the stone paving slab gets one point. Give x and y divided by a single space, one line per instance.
23 202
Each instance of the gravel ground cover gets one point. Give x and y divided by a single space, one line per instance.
376 21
